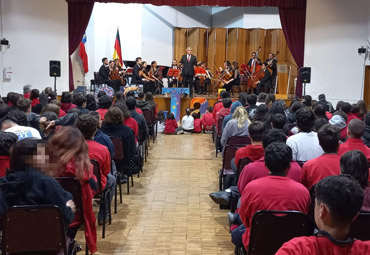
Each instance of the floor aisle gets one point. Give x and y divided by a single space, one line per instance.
169 210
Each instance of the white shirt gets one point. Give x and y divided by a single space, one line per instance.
305 146
187 122
24 132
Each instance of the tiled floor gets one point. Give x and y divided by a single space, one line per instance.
168 210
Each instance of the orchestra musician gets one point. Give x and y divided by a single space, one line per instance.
234 79
103 76
156 73
188 62
172 80
271 62
266 81
202 82
253 62
136 78
148 82
116 81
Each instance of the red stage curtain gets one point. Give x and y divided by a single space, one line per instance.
293 22
78 19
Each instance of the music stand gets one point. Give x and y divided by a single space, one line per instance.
173 72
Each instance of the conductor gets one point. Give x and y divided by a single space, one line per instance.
188 62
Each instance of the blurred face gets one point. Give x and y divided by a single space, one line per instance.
155 64
139 61
111 64
225 64
174 62
271 56
106 62
44 160
189 51
253 55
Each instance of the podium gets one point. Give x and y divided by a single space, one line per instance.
175 99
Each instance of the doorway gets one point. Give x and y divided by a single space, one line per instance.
367 85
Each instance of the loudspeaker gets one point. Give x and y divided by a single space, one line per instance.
54 68
305 74
361 50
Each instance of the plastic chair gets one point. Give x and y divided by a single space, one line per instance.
103 195
150 121
271 229
360 227
218 136
240 141
33 230
73 186
229 154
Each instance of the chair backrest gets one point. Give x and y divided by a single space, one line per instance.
118 148
360 227
241 164
33 229
148 116
229 153
270 229
239 141
96 78
73 186
97 173
219 129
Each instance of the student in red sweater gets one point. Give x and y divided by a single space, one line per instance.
224 111
253 151
197 124
207 120
170 125
128 120
273 192
218 105
66 101
104 103
88 125
35 97
327 164
356 129
7 141
338 201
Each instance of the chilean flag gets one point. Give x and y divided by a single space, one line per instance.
83 55
117 49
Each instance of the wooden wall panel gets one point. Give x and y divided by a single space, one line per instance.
220 47
256 38
241 56
202 45
211 52
180 42
232 44
193 40
271 42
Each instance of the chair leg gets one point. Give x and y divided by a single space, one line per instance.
87 250
132 180
104 215
120 193
115 197
109 208
128 185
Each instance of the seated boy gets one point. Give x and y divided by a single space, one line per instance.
338 200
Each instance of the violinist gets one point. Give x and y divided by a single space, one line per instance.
234 79
202 81
156 73
136 78
172 80
253 62
114 77
147 81
271 62
266 81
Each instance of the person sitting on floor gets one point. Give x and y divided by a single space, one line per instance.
328 163
273 192
338 200
355 164
356 128
170 125
161 122
207 120
187 124
305 145
88 126
197 124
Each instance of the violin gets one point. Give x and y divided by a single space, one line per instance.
145 76
114 75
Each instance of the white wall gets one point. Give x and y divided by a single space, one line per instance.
38 32
335 29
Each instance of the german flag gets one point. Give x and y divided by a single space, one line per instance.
117 49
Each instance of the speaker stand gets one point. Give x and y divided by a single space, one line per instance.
304 89
55 83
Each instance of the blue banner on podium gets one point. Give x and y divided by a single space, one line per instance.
175 99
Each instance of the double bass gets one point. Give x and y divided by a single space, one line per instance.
261 73
254 74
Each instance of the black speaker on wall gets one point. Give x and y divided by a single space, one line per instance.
305 74
54 68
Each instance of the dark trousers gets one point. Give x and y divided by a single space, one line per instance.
188 83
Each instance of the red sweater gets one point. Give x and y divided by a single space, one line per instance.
207 121
170 126
197 126
354 144
253 152
102 113
101 154
62 113
312 245
271 193
217 107
317 169
87 196
35 102
67 106
4 165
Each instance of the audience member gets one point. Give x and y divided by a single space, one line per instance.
261 98
104 103
218 105
273 192
170 125
319 123
260 114
305 145
327 164
237 126
128 120
243 98
16 122
47 130
307 101
161 119
197 124
366 135
7 142
143 128
66 101
270 99
356 129
150 100
141 103
91 103
339 120
80 101
362 108
338 201
228 117
327 105
34 97
355 163
207 120
221 114
26 91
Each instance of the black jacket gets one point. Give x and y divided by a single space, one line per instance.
250 62
188 67
366 136
32 187
267 79
103 74
143 128
120 130
136 78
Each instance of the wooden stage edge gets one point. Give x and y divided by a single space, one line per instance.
164 102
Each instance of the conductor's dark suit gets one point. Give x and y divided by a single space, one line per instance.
188 71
